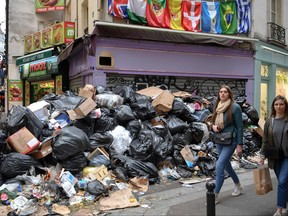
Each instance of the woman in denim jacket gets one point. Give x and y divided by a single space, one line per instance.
227 116
275 148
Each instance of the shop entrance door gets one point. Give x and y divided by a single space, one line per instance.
40 88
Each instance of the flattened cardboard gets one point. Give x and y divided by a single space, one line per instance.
163 102
260 128
152 91
182 94
23 141
98 151
187 155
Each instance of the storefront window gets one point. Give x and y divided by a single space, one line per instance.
264 71
263 100
282 82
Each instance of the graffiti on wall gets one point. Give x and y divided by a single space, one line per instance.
201 87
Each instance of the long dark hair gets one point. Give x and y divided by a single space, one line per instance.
273 111
229 110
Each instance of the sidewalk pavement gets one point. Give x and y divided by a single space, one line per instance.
173 199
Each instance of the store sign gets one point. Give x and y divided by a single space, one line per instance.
34 57
38 69
49 5
52 65
59 33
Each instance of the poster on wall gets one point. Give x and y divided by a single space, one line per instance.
63 32
15 90
58 89
27 93
49 5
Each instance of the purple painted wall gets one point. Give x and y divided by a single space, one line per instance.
159 58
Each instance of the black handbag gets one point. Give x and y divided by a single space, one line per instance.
224 138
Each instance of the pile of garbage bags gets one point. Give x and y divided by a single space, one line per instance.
121 135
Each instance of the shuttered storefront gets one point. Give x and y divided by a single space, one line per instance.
202 87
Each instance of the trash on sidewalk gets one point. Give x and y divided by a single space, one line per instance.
118 199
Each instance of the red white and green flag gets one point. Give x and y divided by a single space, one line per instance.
137 11
157 14
228 17
191 14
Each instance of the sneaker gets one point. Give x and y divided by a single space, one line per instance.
277 214
237 190
216 199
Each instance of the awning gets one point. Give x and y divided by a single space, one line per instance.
130 31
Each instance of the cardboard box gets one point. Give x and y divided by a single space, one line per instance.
85 93
187 155
44 149
163 102
23 141
40 109
260 128
98 151
82 110
152 92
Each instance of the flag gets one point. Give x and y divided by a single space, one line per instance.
228 17
244 15
137 11
191 13
118 8
211 17
174 8
157 14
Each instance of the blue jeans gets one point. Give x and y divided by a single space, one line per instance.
223 163
281 171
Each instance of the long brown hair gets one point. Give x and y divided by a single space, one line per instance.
273 111
229 110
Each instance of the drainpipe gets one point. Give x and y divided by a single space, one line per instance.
6 54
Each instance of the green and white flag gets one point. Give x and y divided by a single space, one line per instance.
137 11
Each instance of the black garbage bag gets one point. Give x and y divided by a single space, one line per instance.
143 109
212 101
75 163
134 127
180 110
181 139
2 180
101 139
179 160
126 92
86 124
17 164
4 148
69 142
240 101
105 123
201 115
121 173
124 114
176 125
197 133
252 114
96 188
3 122
141 147
19 117
66 101
207 165
136 168
184 171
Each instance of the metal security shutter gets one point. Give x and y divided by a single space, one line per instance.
75 84
202 87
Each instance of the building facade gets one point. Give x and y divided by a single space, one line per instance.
32 57
271 53
119 53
